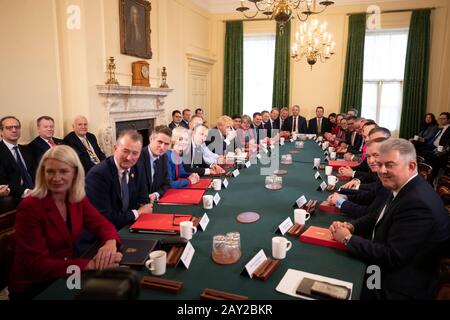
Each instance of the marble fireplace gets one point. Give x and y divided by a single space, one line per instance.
125 107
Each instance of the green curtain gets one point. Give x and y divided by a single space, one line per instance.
233 87
415 85
281 76
354 64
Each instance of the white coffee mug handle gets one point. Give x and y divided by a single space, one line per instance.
148 264
194 230
288 245
307 216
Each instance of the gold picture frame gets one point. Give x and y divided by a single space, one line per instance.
135 31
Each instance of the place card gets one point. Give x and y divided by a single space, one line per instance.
322 186
235 173
187 255
258 156
254 263
204 222
225 183
284 226
317 176
248 164
301 201
216 198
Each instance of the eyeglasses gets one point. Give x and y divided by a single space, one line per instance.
11 127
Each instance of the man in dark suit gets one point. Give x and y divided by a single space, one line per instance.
186 118
154 162
407 236
284 114
116 187
295 123
45 140
319 124
257 126
17 166
275 119
221 139
84 143
176 119
349 204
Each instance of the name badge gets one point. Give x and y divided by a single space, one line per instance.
187 255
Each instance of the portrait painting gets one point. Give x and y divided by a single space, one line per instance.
135 28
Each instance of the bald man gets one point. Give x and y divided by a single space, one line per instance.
84 143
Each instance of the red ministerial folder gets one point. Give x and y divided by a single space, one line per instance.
182 196
336 164
201 184
328 208
344 178
321 237
164 223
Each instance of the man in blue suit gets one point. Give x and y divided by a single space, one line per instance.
406 236
153 160
116 187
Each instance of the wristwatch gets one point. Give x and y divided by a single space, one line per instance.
346 239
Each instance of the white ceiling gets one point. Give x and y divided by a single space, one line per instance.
226 6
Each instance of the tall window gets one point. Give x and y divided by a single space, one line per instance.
384 66
259 59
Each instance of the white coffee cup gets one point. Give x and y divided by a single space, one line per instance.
331 149
325 145
328 170
333 155
416 137
208 202
332 180
317 162
301 216
280 246
320 139
187 230
157 262
281 140
440 148
217 184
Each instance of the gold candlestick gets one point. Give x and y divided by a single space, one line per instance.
112 72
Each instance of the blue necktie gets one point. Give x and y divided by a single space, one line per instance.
26 178
124 191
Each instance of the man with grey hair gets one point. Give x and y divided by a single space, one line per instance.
352 112
405 238
84 143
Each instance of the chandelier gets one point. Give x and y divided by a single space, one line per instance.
313 42
283 10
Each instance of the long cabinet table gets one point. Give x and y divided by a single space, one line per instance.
248 193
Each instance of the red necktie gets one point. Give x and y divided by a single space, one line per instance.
52 143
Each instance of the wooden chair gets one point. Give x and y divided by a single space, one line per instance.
7 246
420 159
425 170
443 181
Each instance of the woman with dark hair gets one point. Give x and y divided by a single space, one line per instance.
337 125
332 119
429 128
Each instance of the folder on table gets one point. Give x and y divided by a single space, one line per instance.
182 196
329 208
135 251
202 184
160 223
336 164
321 237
